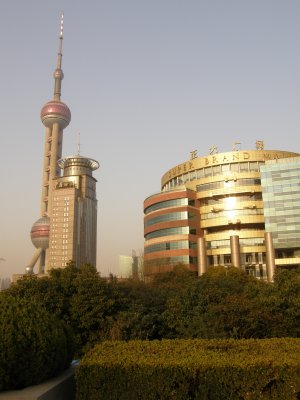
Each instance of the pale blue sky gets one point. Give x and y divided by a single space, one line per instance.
147 81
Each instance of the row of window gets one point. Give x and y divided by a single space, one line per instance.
287 225
65 225
184 230
225 243
276 171
270 187
171 261
208 201
232 213
65 214
283 218
215 244
237 199
169 203
181 244
246 258
251 166
59 207
229 184
292 203
174 216
255 261
65 238
66 198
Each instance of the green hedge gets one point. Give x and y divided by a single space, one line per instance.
191 369
34 345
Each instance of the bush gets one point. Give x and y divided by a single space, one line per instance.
191 370
34 345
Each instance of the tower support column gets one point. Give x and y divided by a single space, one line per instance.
54 170
55 155
46 172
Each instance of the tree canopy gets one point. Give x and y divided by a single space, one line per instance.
223 303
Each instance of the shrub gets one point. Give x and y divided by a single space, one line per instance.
34 345
191 370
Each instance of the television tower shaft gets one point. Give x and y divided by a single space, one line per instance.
56 116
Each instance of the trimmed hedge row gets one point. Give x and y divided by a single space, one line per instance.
191 369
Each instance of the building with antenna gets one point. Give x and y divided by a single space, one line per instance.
67 227
73 222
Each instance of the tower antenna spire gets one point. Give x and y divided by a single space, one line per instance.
58 73
78 145
59 58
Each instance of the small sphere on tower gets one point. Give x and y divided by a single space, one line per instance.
40 233
55 111
58 73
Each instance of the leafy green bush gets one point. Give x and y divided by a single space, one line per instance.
221 304
34 345
191 369
79 297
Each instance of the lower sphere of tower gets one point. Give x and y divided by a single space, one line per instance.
56 112
40 233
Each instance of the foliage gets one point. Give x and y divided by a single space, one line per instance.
223 303
139 312
191 369
79 297
34 345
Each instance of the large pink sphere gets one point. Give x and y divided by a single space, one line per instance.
56 111
40 233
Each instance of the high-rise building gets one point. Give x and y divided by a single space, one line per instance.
4 283
211 212
131 267
67 227
280 181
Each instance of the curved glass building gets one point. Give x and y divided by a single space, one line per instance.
211 212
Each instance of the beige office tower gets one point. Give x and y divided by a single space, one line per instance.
73 223
57 239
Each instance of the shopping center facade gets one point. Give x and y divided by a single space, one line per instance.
215 211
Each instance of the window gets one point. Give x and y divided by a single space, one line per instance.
216 169
227 259
244 166
168 232
248 258
166 204
235 167
208 171
167 217
225 167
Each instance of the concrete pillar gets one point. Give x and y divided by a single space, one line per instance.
29 268
202 257
46 169
42 262
55 150
235 251
270 256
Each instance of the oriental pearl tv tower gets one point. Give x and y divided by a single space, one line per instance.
68 204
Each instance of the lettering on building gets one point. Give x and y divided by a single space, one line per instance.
193 154
236 146
259 145
213 149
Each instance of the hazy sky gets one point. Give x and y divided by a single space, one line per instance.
147 81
